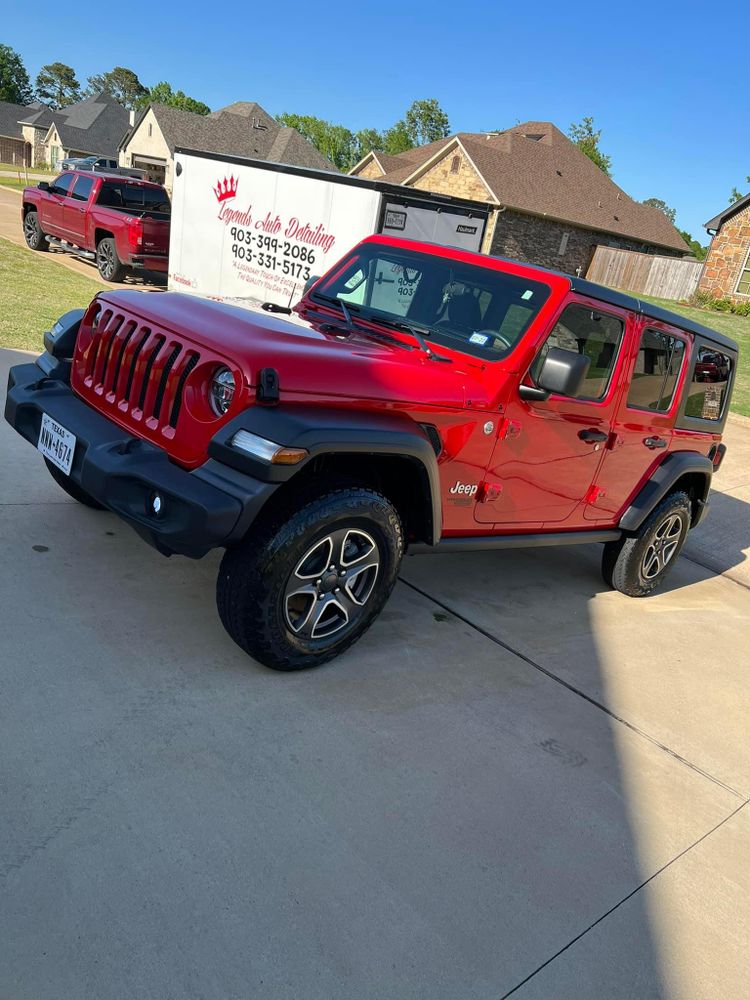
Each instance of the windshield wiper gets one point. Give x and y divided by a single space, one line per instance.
419 336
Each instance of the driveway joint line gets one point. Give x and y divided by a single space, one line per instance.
577 691
714 570
637 889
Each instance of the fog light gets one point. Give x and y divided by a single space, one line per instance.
156 504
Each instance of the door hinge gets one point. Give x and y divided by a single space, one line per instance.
268 387
489 491
593 494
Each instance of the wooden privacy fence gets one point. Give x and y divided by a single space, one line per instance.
645 273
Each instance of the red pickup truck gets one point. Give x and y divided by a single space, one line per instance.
119 222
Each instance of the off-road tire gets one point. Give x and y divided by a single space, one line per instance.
72 489
636 565
109 265
255 577
32 232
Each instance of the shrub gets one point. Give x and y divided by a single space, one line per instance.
742 309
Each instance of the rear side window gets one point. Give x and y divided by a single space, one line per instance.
133 198
707 392
590 332
82 189
657 370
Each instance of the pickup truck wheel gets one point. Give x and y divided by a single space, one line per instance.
109 264
35 238
308 585
72 489
636 565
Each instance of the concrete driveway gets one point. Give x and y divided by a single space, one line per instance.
520 783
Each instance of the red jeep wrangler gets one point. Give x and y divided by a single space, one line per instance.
422 397
117 222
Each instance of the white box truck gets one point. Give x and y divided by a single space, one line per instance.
249 231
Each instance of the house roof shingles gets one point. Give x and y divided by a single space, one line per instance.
241 129
547 176
95 125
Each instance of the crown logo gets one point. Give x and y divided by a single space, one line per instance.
226 189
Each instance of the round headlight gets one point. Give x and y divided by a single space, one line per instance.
221 390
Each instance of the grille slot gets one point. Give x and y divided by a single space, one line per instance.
134 362
177 403
169 364
118 364
150 358
107 351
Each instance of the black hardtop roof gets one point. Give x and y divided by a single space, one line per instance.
650 311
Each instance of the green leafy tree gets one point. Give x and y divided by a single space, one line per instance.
587 138
57 86
397 139
120 83
365 141
737 195
336 142
698 251
670 213
426 122
15 87
162 93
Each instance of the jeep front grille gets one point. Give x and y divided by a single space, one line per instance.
138 370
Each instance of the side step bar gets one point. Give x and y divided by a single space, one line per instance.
69 248
481 543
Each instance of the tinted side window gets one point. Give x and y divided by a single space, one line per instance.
657 369
707 392
586 331
61 185
82 190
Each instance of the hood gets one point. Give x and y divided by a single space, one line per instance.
309 360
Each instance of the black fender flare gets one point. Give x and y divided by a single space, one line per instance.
675 465
322 430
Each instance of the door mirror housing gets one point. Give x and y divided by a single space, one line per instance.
312 280
43 185
562 372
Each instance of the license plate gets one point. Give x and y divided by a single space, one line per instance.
56 443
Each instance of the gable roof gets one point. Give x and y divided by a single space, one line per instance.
10 119
95 125
536 169
714 225
241 129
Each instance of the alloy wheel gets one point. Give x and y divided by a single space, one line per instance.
331 584
662 546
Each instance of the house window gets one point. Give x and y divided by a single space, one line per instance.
150 129
743 285
455 164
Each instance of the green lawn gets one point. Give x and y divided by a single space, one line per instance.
11 182
34 291
736 327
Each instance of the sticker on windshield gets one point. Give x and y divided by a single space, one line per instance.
478 338
527 294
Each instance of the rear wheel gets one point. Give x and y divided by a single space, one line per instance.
72 489
636 565
302 590
32 232
109 264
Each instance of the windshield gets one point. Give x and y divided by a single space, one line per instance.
468 307
134 198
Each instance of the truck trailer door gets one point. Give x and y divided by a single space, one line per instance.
433 222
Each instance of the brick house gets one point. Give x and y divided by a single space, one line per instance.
726 274
16 147
551 205
241 129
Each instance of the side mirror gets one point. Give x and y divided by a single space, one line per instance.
314 279
562 372
43 185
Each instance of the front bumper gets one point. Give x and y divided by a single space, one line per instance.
209 507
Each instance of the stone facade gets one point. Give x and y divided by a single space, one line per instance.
727 258
371 171
148 142
453 174
557 245
35 138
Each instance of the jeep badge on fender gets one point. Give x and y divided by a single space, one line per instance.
372 439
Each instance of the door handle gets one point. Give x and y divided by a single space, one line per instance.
655 442
590 435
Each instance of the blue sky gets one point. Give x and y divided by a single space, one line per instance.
664 80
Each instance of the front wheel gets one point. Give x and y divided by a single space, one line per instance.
32 232
637 564
108 263
306 587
